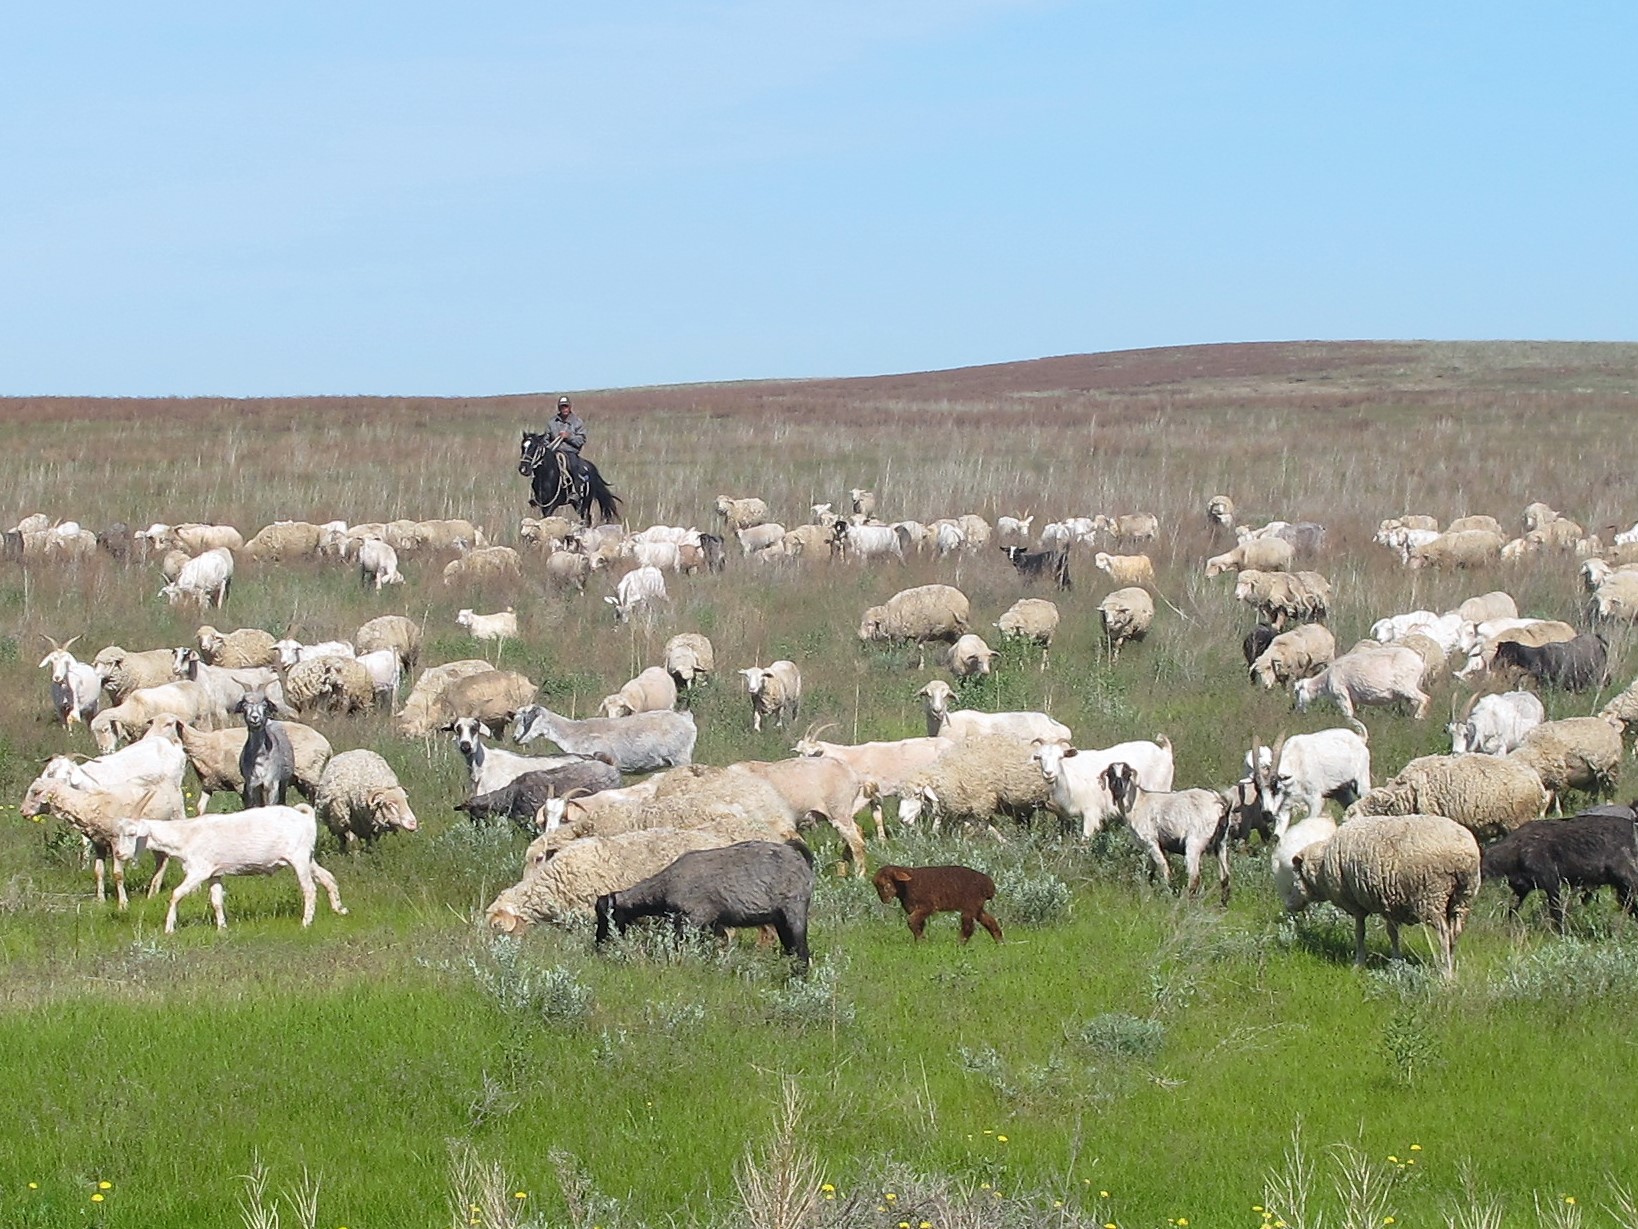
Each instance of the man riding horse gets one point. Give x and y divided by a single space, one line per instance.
559 474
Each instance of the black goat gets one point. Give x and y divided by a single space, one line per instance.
1574 665
1034 565
753 883
1257 639
1586 851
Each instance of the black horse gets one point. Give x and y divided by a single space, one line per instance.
561 476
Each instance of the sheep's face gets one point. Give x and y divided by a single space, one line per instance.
890 881
389 807
912 805
38 799
503 918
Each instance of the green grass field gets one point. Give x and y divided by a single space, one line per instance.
1119 1041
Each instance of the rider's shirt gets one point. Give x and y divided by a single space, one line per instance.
567 432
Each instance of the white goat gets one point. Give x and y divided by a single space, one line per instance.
253 842
489 768
1496 724
1076 777
500 626
76 687
205 579
639 587
1302 771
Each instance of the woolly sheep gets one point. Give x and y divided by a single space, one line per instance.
976 780
485 565
1284 597
1034 619
689 657
124 672
1489 795
1486 606
396 632
1127 614
1458 548
653 690
96 813
254 842
1220 511
926 612
743 513
245 648
358 798
492 696
283 541
422 713
1407 869
970 657
1295 654
140 709
335 684
214 756
569 569
1578 753
1257 555
565 888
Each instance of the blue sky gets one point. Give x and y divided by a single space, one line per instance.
425 198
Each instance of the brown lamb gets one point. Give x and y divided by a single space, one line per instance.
926 890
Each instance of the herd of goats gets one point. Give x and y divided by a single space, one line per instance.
626 825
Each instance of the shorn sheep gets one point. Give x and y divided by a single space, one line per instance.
753 883
1381 676
1405 869
926 890
653 690
253 842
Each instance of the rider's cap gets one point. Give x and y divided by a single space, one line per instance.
562 401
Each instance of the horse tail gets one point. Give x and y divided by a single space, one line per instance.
608 503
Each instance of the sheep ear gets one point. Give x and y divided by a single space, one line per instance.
899 875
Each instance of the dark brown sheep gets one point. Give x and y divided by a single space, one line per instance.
926 890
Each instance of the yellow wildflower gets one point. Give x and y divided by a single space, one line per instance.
1416 1147
105 1186
1000 1139
97 1198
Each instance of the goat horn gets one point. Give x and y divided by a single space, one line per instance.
1467 708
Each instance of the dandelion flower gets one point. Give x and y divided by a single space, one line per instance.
33 1186
97 1198
1000 1139
1394 1159
1183 1220
520 1194
1416 1147
1103 1194
105 1186
1388 1220
890 1196
904 1224
1570 1199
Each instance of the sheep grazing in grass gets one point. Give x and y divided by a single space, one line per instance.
1257 555
358 798
1458 548
424 708
1382 676
123 671
1034 619
1296 654
1127 614
500 627
926 890
1487 794
944 722
652 691
1578 753
245 648
1585 852
753 883
979 778
918 615
775 691
745 513
283 541
253 842
96 815
689 659
378 564
1405 869
486 565
970 657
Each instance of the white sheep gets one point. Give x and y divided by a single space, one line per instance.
1031 618
921 614
775 690
653 690
689 658
1406 869
1294 654
358 798
252 842
1126 614
1257 555
1576 753
500 626
970 657
943 722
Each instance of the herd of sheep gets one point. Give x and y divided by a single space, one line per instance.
627 825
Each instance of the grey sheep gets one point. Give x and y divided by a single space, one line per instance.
359 798
1405 869
1587 852
753 883
1487 794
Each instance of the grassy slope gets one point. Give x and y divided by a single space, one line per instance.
359 1047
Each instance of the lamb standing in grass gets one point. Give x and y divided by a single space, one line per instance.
926 890
1127 614
1406 868
254 842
